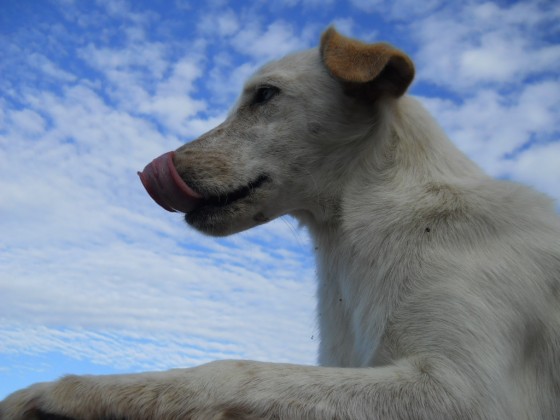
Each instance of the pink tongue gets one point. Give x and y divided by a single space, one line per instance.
165 186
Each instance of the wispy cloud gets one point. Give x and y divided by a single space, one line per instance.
275 40
502 83
462 45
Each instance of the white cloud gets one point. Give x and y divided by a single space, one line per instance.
223 23
49 68
122 9
171 102
505 75
2 114
129 350
493 128
539 167
501 58
204 295
399 9
27 121
144 57
144 80
84 160
461 46
367 5
276 40
84 247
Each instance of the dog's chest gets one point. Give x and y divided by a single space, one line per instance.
351 310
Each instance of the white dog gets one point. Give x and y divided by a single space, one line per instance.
439 287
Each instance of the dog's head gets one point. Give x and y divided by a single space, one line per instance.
289 142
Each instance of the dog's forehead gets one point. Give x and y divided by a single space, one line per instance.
288 69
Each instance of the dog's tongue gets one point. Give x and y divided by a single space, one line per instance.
165 186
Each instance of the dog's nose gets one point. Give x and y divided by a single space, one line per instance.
166 187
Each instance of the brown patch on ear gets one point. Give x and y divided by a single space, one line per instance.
380 66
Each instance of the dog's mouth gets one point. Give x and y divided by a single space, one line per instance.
166 187
227 198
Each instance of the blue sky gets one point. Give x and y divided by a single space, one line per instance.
95 278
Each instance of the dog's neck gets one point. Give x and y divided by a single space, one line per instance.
373 226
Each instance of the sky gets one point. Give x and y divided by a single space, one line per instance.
96 278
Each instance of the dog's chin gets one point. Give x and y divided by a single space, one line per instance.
232 212
225 220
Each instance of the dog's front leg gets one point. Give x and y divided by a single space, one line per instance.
195 393
239 389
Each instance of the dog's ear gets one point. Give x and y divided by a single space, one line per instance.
366 69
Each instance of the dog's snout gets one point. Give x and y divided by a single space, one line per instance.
202 141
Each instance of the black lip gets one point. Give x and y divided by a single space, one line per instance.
227 198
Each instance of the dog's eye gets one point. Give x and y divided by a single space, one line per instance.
265 94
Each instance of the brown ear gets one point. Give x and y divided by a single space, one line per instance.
380 66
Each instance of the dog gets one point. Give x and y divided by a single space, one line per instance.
439 287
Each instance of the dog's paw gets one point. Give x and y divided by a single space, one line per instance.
23 404
33 403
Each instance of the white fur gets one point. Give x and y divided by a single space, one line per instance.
439 287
